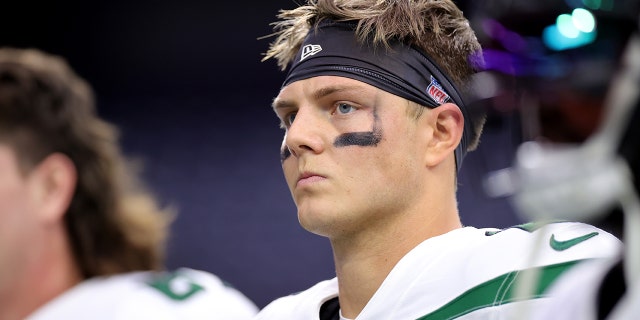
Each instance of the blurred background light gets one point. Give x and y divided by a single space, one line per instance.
571 30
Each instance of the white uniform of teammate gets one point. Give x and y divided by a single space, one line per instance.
183 294
578 292
467 273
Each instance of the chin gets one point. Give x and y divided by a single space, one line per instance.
316 222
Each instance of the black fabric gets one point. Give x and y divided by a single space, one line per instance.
333 49
628 147
330 310
611 290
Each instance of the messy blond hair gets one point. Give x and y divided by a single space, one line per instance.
113 224
437 27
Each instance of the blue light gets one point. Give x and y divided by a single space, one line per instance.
556 40
583 20
570 30
566 27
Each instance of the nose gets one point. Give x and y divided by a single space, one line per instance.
305 133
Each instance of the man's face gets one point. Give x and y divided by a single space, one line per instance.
350 154
16 219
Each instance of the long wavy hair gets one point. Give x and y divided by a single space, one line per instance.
113 224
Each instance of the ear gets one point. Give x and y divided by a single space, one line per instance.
53 183
447 124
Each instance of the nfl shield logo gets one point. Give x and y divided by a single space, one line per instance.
435 91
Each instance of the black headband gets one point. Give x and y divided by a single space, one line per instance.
332 49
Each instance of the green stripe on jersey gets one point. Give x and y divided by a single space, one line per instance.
497 291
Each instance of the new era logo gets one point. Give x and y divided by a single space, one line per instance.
310 50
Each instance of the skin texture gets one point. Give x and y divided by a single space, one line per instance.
70 207
14 214
363 139
32 205
367 175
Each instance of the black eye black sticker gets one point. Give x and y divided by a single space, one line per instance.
284 153
362 139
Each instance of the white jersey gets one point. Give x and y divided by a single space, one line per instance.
467 273
183 294
577 292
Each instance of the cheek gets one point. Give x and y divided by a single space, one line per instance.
10 197
14 212
391 160
289 167
362 122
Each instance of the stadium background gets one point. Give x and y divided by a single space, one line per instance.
184 82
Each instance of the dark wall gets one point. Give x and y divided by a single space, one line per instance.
184 82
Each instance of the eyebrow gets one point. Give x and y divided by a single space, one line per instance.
316 95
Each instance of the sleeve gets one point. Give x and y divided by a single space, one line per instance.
578 241
187 294
575 294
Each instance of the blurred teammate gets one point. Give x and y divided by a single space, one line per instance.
79 238
376 126
578 67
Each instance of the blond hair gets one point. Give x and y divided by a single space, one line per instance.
437 27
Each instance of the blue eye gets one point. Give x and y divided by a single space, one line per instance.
290 117
344 108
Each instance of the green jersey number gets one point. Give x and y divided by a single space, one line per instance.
175 285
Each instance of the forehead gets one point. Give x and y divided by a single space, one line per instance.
318 87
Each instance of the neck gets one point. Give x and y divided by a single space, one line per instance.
365 259
49 271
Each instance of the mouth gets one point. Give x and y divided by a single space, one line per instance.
307 178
